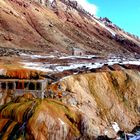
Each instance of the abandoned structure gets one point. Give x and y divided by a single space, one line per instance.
19 87
76 51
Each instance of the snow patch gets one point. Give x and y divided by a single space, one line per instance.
59 68
132 62
75 66
115 126
37 56
103 25
79 65
120 60
35 66
76 57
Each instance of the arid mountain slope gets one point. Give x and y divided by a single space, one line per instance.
90 67
58 26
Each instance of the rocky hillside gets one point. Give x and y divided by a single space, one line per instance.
92 69
104 98
59 25
90 106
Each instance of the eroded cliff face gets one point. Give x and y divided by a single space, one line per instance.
89 106
105 98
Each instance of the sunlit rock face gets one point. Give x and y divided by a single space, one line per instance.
34 119
92 104
105 98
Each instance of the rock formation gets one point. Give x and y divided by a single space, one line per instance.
105 98
30 119
91 105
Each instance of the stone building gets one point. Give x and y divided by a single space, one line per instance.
76 51
19 87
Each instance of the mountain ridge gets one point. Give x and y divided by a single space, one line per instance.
60 26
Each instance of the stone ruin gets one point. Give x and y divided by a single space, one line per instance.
11 88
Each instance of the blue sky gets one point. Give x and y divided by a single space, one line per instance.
124 13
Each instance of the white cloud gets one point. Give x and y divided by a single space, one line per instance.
92 8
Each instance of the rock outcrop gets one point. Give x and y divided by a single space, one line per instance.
34 119
89 106
104 98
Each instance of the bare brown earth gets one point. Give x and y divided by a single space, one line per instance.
28 25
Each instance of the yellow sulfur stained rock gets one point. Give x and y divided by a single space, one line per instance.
39 120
